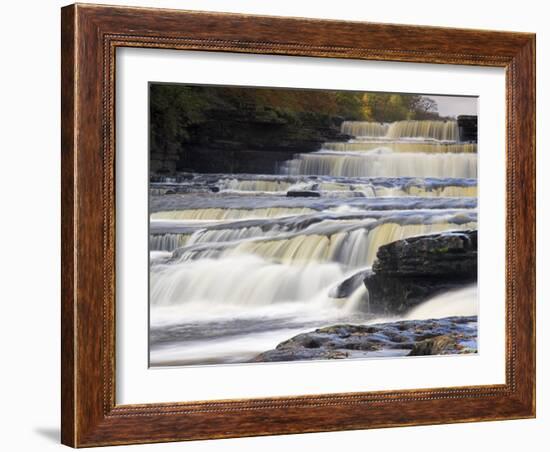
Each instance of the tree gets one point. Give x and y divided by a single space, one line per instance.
389 107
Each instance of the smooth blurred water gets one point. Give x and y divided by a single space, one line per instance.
238 265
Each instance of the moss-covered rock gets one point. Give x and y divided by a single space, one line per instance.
409 271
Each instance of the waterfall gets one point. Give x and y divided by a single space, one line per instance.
170 241
226 235
456 191
401 146
350 246
459 302
264 186
229 214
352 249
241 280
253 185
385 164
408 149
437 130
428 129
364 129
167 241
240 262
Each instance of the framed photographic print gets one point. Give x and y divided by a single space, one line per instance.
281 225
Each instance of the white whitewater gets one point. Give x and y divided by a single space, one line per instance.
167 242
428 129
238 265
244 280
352 249
364 128
401 146
459 302
437 130
400 149
385 163
229 214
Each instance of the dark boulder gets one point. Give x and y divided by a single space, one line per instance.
446 253
409 271
349 285
303 194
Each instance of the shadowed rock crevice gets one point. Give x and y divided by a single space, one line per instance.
240 130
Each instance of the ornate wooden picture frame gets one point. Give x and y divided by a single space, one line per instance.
90 36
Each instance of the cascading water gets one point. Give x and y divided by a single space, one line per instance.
436 130
456 302
402 146
364 129
386 163
400 149
417 130
240 262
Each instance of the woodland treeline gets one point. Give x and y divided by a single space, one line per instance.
174 107
183 116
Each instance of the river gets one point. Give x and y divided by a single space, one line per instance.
241 262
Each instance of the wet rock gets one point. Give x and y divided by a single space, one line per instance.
303 194
409 271
435 254
451 335
433 346
349 285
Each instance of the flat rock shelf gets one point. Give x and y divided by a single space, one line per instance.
450 335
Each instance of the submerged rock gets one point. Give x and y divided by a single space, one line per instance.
409 271
451 335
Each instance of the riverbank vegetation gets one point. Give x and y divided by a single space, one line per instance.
210 120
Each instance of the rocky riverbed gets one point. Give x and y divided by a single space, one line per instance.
406 273
446 336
